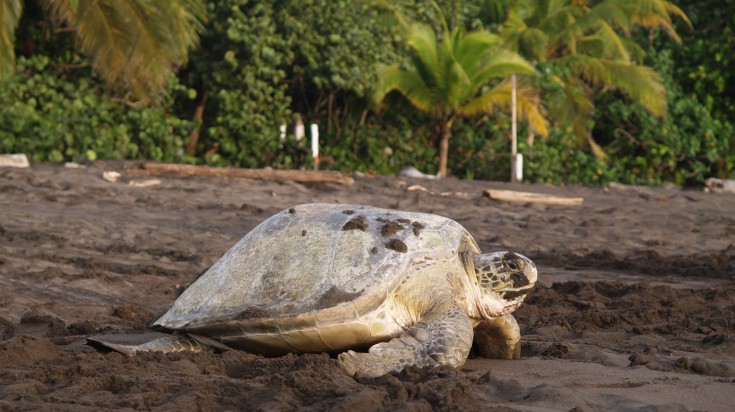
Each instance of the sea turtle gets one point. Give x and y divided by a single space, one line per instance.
409 287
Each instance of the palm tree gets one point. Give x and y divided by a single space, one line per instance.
132 44
461 75
579 43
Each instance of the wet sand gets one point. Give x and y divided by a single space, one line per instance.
635 310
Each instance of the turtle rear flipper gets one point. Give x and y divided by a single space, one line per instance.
167 344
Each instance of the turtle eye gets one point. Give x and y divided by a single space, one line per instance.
512 264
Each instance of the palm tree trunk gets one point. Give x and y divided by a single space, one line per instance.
191 147
446 133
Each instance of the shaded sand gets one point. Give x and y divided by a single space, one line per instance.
636 307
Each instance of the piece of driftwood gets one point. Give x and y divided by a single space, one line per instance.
144 183
284 176
526 197
14 160
111 176
642 191
720 185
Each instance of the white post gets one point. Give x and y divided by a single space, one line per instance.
516 159
299 131
315 144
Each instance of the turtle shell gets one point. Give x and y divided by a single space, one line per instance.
314 257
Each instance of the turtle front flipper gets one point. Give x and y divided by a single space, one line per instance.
167 344
499 338
442 337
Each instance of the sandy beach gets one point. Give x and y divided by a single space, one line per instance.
635 309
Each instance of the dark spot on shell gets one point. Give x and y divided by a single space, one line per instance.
251 312
397 245
404 220
292 210
334 297
303 233
348 212
358 222
417 226
391 228
374 250
382 220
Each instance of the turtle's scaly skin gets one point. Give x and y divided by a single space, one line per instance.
322 277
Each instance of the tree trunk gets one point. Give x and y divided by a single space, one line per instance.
191 147
446 133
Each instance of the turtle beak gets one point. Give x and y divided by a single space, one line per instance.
530 271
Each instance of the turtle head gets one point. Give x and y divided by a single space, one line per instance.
504 278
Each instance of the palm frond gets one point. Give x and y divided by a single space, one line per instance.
10 12
135 44
610 44
459 86
559 23
610 11
657 13
499 65
497 11
651 13
409 84
569 103
640 83
470 50
499 98
421 39
533 44
187 19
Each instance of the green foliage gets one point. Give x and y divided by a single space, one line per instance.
56 119
685 147
10 12
705 64
457 74
336 46
239 66
559 160
483 147
584 45
133 45
383 146
263 63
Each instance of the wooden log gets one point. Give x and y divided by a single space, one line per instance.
283 176
14 160
526 197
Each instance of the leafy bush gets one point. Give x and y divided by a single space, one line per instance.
685 147
483 152
53 118
264 63
383 145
